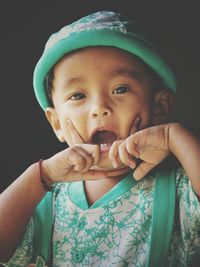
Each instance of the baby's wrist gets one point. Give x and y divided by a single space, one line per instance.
45 179
174 133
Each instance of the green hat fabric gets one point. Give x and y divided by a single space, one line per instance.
104 28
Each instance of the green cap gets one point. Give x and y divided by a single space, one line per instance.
104 28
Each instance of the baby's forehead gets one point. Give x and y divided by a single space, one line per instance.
119 60
100 66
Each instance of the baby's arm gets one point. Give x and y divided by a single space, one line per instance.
152 145
17 203
186 147
19 200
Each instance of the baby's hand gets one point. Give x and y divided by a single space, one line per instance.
150 145
74 163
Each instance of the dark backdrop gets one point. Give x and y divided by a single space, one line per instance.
25 135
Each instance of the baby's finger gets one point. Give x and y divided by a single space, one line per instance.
125 157
132 147
135 126
90 156
87 160
142 169
75 136
78 159
114 153
94 151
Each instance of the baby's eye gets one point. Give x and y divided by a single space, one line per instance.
77 96
121 90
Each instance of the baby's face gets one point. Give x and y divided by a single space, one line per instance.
102 91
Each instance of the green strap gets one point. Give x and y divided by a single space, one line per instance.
43 220
162 219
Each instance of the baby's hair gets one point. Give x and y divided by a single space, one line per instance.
156 82
49 86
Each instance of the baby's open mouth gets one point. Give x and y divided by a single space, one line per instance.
104 139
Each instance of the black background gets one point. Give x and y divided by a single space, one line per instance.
25 135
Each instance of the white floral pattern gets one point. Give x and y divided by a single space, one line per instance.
117 233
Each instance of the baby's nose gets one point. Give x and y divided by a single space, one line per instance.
100 110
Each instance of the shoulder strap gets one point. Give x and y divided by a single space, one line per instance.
43 221
163 218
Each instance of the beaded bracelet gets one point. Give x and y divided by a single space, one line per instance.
45 181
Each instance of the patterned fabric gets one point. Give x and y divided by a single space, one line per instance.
116 232
98 21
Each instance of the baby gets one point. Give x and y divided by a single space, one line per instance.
107 93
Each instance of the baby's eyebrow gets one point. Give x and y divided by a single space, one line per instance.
126 72
73 81
130 73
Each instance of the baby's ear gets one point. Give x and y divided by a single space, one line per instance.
53 119
163 102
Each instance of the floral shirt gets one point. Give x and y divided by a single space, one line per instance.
115 230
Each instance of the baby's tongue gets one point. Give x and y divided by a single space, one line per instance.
104 137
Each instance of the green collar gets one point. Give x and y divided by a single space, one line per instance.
77 193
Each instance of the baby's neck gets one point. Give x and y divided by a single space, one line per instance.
95 189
